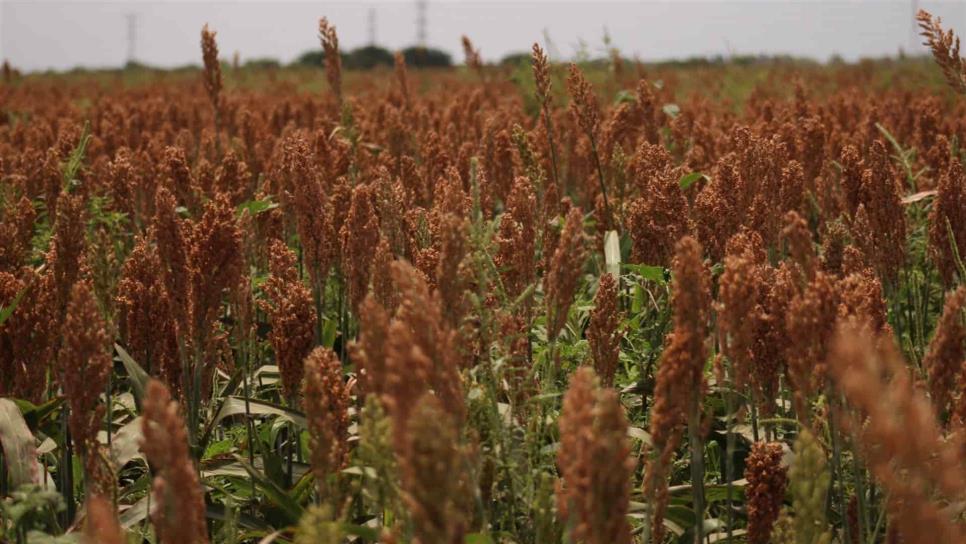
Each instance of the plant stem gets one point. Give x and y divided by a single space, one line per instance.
729 461
553 151
697 467
837 491
67 469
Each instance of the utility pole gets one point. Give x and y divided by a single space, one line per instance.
372 26
421 23
132 34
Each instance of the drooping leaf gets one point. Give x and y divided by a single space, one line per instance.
290 507
125 442
19 446
671 110
255 207
134 514
921 195
658 274
136 375
234 406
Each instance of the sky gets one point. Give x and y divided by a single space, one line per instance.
62 34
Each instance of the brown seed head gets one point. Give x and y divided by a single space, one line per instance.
16 231
680 374
178 512
146 314
303 192
325 399
368 352
565 269
472 56
799 239
516 239
402 77
85 365
333 61
170 232
583 105
947 222
541 74
101 526
946 355
421 352
810 324
67 247
765 491
216 260
360 236
898 434
436 485
595 462
212 74
292 314
740 315
945 49
603 330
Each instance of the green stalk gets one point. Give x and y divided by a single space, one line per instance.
553 150
837 491
250 425
697 466
603 186
729 462
67 470
860 498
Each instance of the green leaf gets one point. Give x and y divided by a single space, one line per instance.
7 311
478 538
34 414
688 180
649 272
681 494
37 537
289 507
255 207
329 332
138 377
624 96
76 158
234 406
369 533
218 512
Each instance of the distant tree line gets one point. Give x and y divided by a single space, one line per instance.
372 56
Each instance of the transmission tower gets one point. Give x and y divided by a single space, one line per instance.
132 32
372 26
421 23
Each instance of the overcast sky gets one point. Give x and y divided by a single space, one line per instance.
60 34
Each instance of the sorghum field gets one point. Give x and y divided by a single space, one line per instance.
606 303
